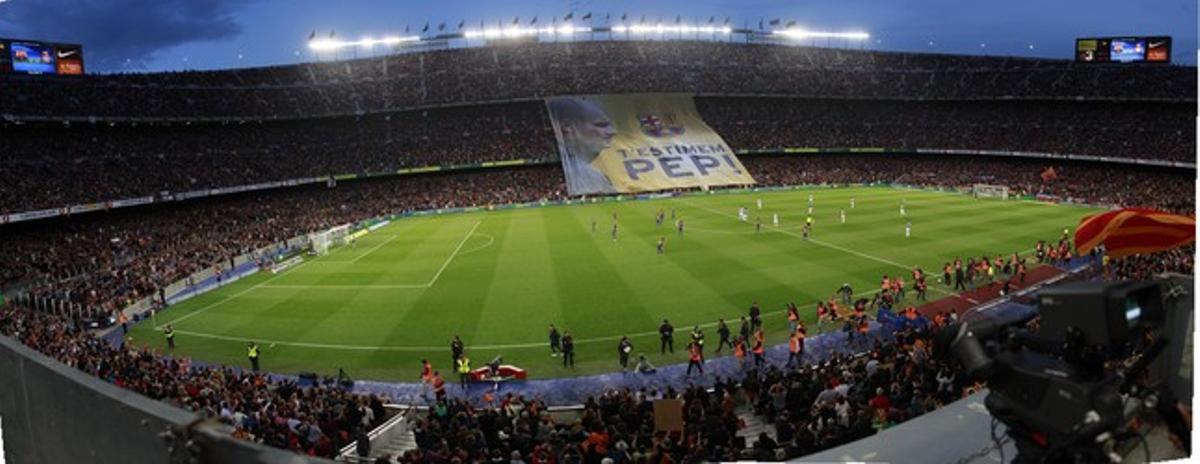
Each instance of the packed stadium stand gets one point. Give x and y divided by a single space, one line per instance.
161 134
500 73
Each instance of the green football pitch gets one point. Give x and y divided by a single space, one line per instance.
499 278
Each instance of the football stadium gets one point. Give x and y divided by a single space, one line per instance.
593 237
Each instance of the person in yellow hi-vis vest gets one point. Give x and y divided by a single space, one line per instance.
252 353
464 370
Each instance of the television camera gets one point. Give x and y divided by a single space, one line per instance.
1067 383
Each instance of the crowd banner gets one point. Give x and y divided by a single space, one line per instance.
639 143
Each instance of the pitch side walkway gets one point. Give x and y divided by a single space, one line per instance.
576 390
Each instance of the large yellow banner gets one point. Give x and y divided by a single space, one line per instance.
639 143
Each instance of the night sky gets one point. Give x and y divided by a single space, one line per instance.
155 35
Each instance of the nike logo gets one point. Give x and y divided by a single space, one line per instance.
1157 44
67 53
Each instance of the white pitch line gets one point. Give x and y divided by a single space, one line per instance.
455 253
230 297
491 240
334 346
376 247
847 250
346 287
815 241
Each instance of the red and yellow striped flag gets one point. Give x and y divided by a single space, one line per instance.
1132 231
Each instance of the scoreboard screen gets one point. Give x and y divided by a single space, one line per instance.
33 57
1123 50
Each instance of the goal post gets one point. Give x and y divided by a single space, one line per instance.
990 191
322 241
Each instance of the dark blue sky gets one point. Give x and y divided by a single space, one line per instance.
203 34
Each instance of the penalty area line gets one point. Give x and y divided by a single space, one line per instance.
376 247
452 255
230 297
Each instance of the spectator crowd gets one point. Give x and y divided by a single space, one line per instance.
43 163
534 70
811 407
317 421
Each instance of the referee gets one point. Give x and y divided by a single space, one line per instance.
169 332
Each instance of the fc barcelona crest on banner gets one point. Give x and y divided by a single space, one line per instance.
639 143
656 126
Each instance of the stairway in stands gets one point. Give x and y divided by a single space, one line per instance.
755 424
390 444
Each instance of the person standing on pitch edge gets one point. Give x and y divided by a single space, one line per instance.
723 333
755 315
695 359
169 332
623 350
568 350
555 341
463 366
252 353
456 350
666 334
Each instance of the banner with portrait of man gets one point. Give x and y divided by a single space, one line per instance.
639 143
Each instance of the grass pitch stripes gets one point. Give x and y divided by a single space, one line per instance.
376 309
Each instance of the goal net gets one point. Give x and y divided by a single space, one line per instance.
990 191
322 241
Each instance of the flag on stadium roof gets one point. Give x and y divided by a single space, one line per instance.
587 16
774 22
533 21
1132 231
312 35
569 16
